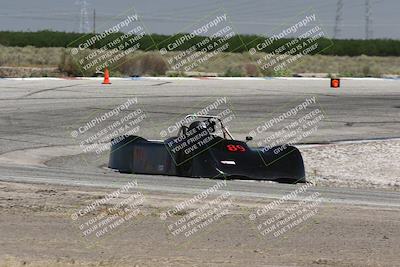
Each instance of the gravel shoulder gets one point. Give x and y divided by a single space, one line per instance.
37 230
358 165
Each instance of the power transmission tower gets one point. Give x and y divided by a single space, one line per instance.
368 20
338 18
84 17
94 21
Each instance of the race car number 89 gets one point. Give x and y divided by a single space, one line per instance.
236 148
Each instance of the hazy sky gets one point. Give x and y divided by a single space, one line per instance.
171 16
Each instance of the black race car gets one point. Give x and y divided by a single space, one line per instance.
206 148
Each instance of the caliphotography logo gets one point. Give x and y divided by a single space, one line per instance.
303 36
205 41
288 212
102 132
108 49
195 132
108 215
200 214
200 133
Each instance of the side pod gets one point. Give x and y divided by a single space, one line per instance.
134 154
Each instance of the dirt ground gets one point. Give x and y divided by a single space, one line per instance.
37 229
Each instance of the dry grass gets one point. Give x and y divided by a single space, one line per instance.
30 56
228 64
66 261
142 64
360 66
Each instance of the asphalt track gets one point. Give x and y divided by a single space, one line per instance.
37 117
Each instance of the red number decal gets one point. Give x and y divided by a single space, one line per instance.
234 148
240 148
231 148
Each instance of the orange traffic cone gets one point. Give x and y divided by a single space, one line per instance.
106 77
